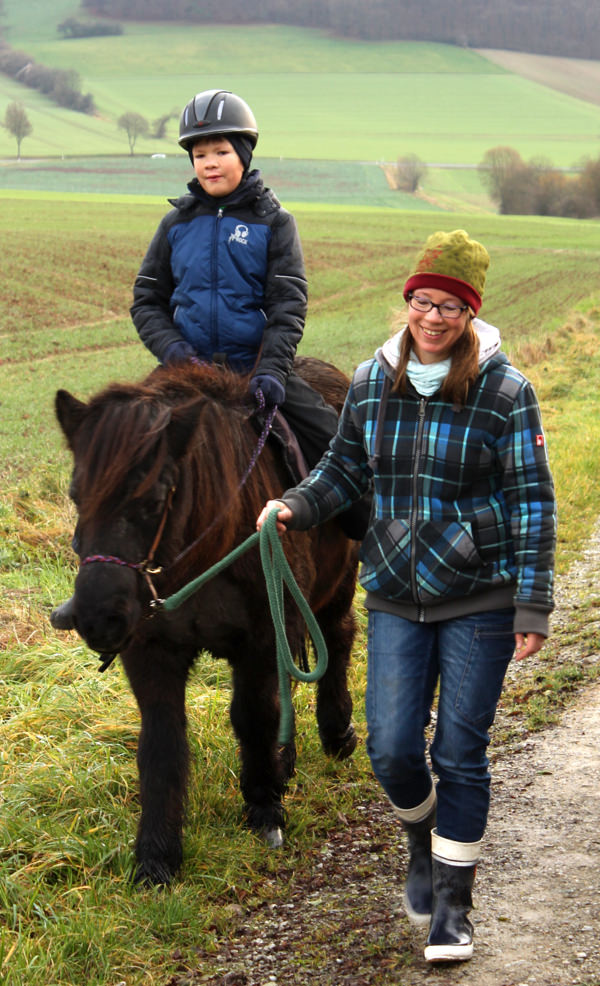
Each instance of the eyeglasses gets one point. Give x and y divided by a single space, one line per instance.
425 305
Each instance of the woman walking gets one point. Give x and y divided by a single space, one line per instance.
457 563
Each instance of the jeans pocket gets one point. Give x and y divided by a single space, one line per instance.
483 674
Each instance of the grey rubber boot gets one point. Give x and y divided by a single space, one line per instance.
450 936
418 823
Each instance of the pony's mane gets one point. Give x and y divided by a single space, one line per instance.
179 384
122 445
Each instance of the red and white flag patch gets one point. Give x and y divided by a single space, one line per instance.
539 441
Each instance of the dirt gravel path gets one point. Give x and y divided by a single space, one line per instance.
537 892
537 895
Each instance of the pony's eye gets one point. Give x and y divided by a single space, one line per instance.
150 508
144 510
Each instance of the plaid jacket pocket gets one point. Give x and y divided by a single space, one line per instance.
385 558
448 562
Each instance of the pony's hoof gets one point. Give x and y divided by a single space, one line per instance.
273 837
341 747
153 873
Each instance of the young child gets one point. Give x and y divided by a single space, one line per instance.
223 279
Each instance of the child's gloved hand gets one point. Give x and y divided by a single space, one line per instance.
177 352
272 390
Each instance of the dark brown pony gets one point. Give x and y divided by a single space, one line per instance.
159 466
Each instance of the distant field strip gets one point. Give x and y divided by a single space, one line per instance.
577 77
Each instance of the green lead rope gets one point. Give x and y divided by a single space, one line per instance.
277 572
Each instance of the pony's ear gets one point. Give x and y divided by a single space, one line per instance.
70 413
181 430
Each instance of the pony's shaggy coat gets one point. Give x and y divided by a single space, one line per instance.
175 447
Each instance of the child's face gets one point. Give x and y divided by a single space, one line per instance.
218 168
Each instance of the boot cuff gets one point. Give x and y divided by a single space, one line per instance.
454 853
417 814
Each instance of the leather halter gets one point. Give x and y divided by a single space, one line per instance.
145 568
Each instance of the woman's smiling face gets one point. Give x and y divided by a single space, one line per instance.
434 336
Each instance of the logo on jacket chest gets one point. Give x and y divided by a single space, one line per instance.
240 235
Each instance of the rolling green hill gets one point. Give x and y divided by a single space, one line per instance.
315 97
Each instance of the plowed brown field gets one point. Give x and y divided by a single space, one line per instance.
576 77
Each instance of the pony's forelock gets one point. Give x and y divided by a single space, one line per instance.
125 429
119 435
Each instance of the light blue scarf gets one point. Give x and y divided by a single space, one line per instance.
426 378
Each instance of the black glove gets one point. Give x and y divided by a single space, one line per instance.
178 352
272 390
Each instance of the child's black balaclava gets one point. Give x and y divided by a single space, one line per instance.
241 145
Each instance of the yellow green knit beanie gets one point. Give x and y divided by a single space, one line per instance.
451 262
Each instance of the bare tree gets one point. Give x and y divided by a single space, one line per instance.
159 127
499 167
135 126
17 123
590 183
409 172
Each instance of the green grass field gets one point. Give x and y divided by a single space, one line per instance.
329 182
66 322
67 735
76 314
315 97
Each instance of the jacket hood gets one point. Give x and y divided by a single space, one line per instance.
489 344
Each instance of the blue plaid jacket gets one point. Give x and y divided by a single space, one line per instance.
463 516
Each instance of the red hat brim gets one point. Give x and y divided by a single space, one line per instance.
461 289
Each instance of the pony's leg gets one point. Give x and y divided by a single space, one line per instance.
265 769
162 757
334 702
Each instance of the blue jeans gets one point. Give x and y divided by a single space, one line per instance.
469 657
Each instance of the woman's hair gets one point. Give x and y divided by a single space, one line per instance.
464 366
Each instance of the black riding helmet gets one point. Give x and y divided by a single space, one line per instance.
216 111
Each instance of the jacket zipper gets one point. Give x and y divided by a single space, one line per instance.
415 512
214 325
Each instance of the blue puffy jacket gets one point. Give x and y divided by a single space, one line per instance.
225 276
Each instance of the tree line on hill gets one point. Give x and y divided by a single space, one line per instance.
517 187
62 86
72 27
535 188
134 124
569 28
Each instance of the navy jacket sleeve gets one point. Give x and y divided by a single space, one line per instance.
152 290
285 299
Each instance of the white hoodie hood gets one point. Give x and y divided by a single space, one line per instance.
489 342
